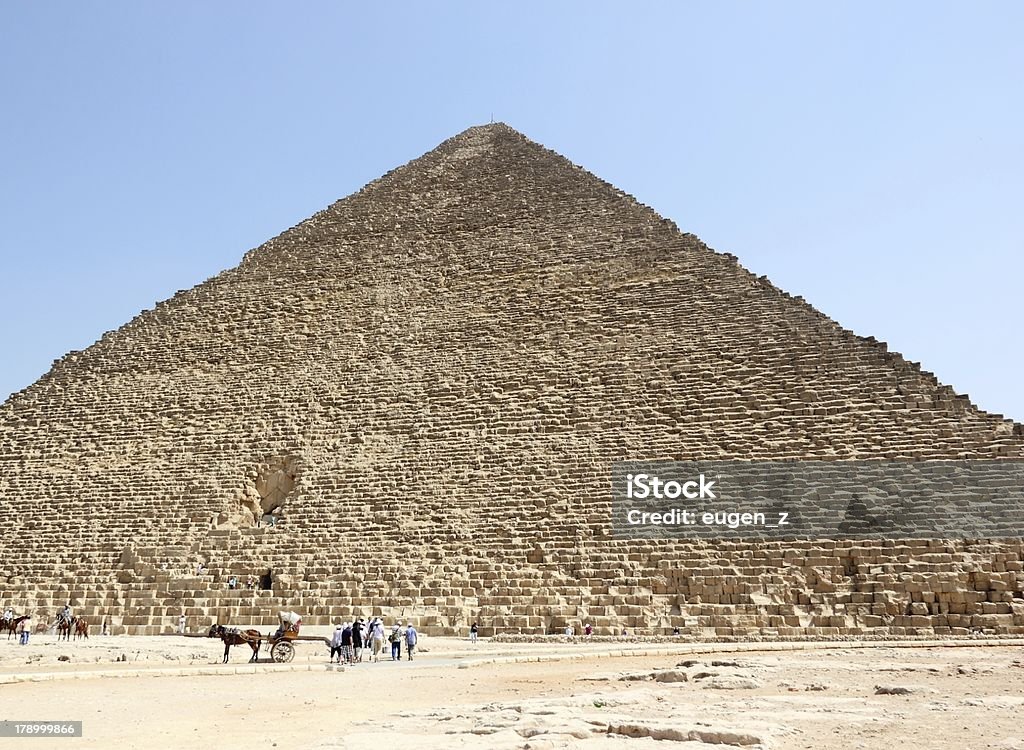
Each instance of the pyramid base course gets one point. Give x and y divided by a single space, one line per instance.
729 590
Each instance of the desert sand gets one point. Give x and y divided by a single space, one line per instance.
157 692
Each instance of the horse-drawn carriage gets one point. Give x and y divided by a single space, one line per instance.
280 645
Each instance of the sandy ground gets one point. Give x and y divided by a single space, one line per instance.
660 697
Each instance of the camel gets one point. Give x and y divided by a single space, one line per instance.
234 637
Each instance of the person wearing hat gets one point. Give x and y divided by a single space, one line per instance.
411 636
336 644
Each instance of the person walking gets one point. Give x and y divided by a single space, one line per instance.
357 640
181 623
336 645
378 638
396 643
473 632
411 636
346 643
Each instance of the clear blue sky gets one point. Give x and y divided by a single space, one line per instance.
868 156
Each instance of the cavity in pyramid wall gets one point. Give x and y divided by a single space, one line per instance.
428 382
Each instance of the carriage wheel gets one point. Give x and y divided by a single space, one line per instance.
282 651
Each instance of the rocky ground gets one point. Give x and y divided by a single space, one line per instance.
172 691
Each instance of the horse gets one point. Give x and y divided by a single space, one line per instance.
11 626
235 637
66 626
81 629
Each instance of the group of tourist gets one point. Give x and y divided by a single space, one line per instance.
351 639
22 626
235 583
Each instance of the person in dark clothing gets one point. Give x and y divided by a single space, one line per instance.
346 643
357 640
396 643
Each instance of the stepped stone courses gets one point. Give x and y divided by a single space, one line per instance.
428 383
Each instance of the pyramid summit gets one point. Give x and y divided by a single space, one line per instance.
409 403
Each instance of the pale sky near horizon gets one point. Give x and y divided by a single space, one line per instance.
867 156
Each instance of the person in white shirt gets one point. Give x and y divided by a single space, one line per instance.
290 622
378 638
336 644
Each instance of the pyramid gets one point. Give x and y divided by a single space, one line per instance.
408 405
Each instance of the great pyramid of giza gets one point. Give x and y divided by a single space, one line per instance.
408 404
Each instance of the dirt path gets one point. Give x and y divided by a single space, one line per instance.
956 698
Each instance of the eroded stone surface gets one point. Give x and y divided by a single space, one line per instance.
580 722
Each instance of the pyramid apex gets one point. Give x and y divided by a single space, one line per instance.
495 125
490 128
